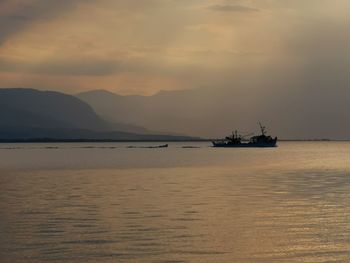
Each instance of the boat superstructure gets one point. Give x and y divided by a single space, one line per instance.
236 140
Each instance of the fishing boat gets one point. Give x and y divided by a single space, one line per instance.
236 140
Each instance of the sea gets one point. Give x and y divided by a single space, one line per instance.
188 203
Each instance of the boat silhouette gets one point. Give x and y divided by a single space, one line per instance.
236 140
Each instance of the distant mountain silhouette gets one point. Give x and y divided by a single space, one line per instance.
203 112
33 108
173 111
29 113
288 110
38 134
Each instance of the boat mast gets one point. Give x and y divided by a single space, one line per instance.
263 129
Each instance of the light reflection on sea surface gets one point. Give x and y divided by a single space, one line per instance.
107 203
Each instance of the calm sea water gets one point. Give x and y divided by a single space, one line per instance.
107 203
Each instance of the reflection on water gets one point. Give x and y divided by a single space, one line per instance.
289 204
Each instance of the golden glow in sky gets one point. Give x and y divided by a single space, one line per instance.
143 46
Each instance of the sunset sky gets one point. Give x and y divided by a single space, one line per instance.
143 46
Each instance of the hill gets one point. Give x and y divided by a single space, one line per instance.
289 111
27 114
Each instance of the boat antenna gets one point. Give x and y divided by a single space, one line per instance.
262 128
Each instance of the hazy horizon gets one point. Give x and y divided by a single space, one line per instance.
282 62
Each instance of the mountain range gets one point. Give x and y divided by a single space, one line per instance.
288 109
28 114
206 112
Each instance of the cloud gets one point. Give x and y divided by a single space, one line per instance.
17 16
232 8
83 66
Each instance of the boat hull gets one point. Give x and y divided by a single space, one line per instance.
245 145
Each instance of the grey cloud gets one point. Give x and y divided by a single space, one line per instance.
85 66
67 66
232 8
25 13
89 66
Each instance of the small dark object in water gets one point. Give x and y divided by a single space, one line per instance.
161 146
150 147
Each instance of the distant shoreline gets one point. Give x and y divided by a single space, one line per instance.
92 140
49 140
